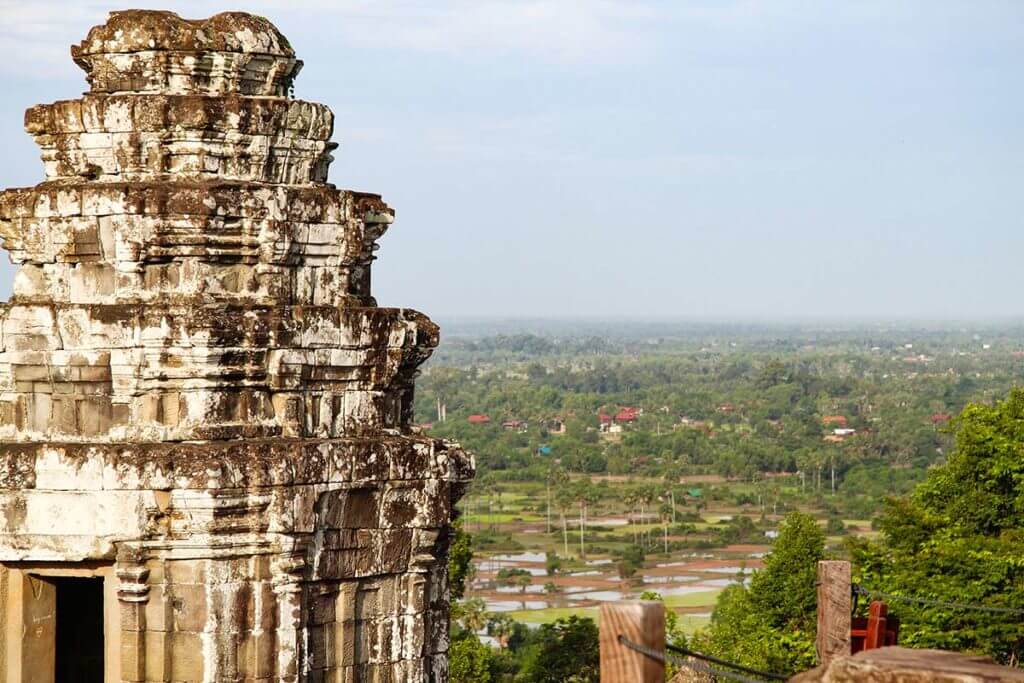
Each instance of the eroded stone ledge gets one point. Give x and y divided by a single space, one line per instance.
229 465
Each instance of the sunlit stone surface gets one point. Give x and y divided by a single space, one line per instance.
200 403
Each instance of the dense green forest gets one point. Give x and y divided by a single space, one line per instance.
776 391
800 428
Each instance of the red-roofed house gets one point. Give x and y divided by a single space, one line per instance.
940 418
838 420
479 419
627 415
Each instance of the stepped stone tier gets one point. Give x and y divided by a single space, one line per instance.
207 470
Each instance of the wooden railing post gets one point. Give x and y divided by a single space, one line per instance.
834 610
877 623
641 622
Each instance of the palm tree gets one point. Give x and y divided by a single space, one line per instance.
501 627
666 514
630 499
471 613
672 476
564 498
647 496
444 381
585 494
556 478
582 497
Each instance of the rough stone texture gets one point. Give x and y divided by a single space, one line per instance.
199 399
902 665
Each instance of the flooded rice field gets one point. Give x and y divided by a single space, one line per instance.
689 582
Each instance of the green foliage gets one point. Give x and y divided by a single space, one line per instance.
469 660
552 563
460 562
960 538
631 559
784 591
510 575
771 625
835 526
507 631
565 651
779 385
739 529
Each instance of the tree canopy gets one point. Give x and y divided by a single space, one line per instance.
959 538
772 624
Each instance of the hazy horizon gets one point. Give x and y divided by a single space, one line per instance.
621 159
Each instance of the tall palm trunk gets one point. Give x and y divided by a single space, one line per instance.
565 535
583 552
549 508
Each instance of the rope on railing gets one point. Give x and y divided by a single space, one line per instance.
871 593
688 663
722 662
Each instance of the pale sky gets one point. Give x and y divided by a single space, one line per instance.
629 158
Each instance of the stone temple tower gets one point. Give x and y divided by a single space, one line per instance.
207 471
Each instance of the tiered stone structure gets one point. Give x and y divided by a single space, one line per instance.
202 409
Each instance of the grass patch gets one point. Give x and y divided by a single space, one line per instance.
702 599
690 623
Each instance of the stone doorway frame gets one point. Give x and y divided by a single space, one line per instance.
16 582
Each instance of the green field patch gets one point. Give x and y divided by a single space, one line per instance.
500 518
691 623
702 599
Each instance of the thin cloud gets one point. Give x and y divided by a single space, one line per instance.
34 37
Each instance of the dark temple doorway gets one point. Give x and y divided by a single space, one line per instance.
79 637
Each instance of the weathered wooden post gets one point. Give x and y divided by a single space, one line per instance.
834 610
641 622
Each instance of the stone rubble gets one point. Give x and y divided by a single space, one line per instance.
200 401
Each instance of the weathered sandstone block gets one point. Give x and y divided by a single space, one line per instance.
903 665
205 452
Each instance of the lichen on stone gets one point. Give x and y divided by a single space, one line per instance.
194 371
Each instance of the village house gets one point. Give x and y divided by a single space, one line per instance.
685 421
478 419
555 426
627 414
